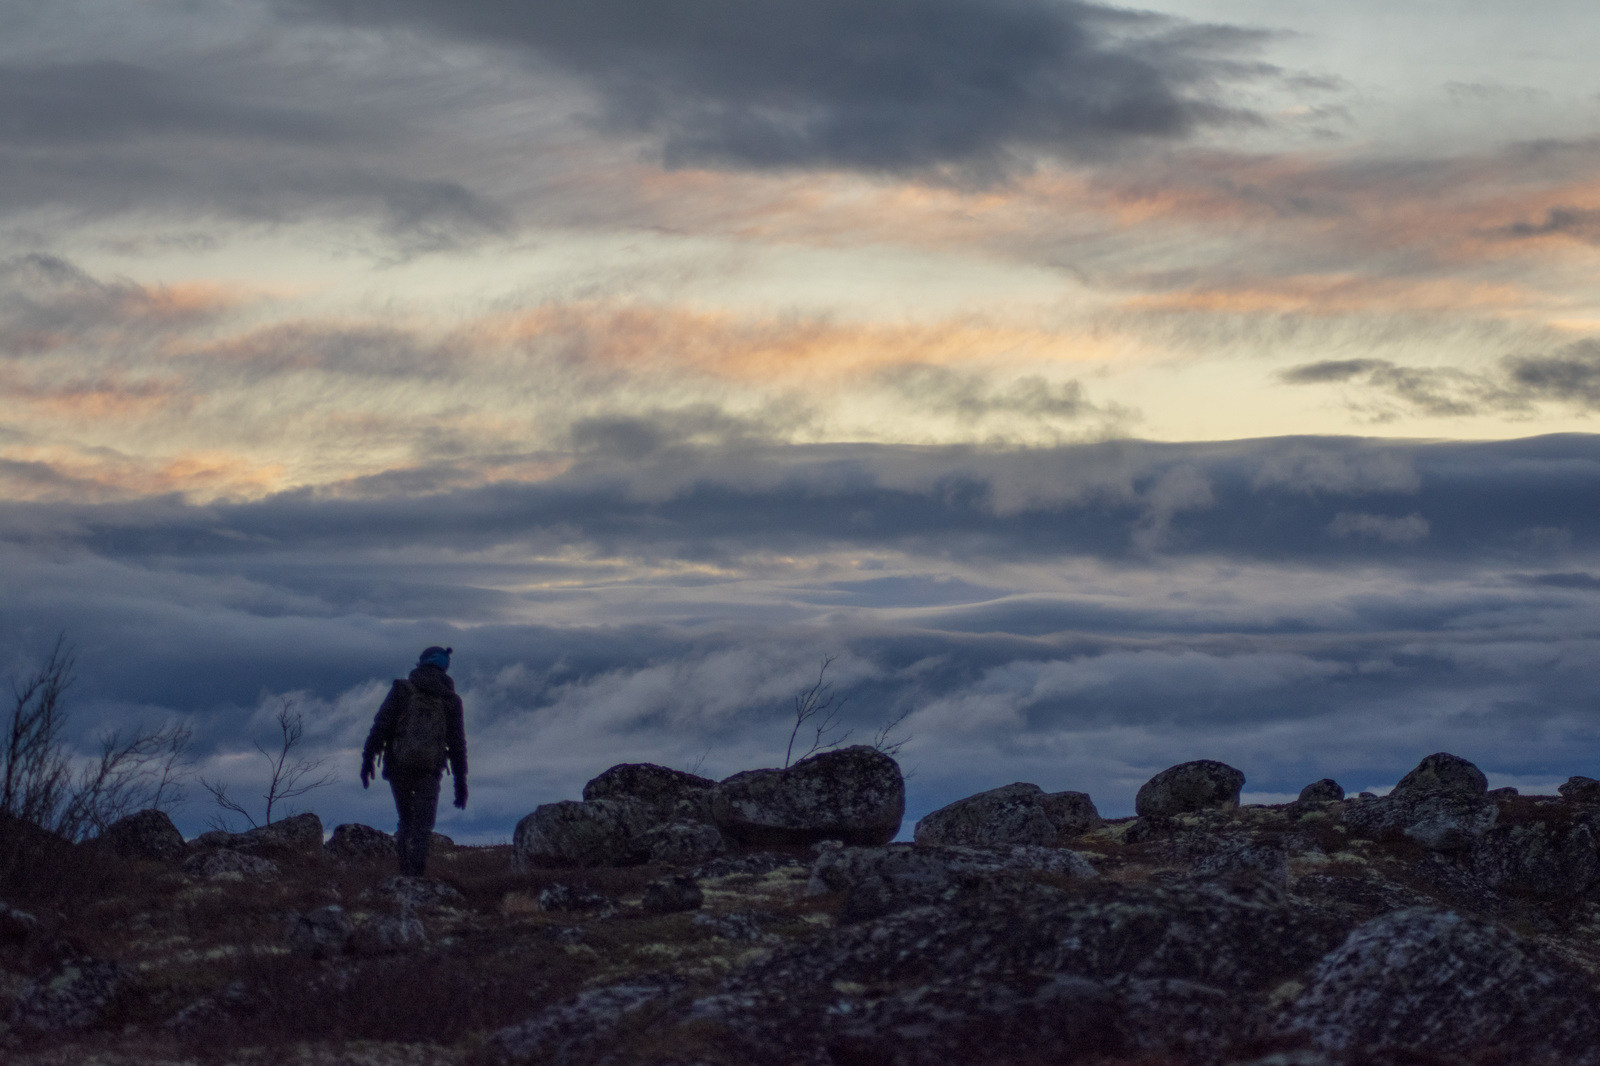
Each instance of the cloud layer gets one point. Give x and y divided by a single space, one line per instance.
1079 616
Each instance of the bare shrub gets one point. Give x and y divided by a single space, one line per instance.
42 787
290 775
817 710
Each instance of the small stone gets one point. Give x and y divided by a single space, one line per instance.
1325 791
418 893
672 894
323 933
564 897
1204 784
735 925
387 934
228 863
16 927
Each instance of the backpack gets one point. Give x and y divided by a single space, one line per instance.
418 743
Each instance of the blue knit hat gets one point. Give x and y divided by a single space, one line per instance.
435 656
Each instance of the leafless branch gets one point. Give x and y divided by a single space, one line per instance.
815 709
38 784
290 776
881 739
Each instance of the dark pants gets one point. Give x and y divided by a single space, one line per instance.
416 798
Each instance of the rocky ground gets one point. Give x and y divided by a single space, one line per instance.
1444 924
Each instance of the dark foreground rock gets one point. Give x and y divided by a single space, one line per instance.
602 832
668 795
854 795
1013 814
1427 980
1204 784
145 835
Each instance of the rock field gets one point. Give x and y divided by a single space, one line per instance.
670 919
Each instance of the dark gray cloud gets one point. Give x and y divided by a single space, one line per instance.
1579 223
106 101
1569 375
892 85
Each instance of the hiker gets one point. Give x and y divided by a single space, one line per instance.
417 731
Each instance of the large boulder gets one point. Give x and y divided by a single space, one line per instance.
1434 982
1550 858
227 864
145 835
1204 784
73 995
1443 804
669 795
1579 789
1443 772
855 795
298 832
603 832
1325 791
354 842
682 843
1012 814
324 933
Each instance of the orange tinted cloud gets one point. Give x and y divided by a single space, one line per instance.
723 345
59 472
1318 295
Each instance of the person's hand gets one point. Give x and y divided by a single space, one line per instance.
461 793
366 772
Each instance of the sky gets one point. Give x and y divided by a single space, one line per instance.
1098 388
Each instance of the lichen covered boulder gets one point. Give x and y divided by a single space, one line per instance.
1579 789
855 795
354 842
1203 784
1550 858
1325 791
1020 813
1432 981
73 995
603 832
1443 804
1443 772
145 835
669 795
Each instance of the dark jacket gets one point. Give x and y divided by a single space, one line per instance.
436 682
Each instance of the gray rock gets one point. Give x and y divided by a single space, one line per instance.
669 895
73 996
1441 819
1325 791
1443 772
564 897
1021 813
324 933
145 835
1204 784
876 881
669 795
417 893
735 925
353 842
1580 790
388 934
1432 981
298 832
1268 861
580 1029
683 843
16 927
1060 1019
227 863
604 832
1555 858
855 795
